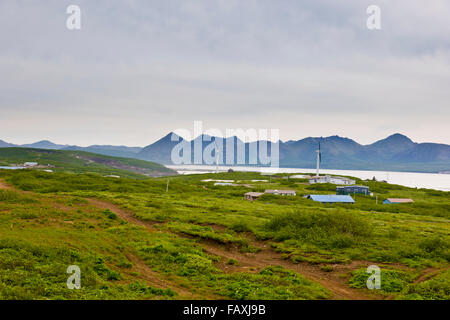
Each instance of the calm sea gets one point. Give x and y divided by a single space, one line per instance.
438 181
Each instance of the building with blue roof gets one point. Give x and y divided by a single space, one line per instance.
331 198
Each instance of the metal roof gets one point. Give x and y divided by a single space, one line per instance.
355 186
280 191
399 200
254 194
331 198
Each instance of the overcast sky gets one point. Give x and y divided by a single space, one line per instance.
139 69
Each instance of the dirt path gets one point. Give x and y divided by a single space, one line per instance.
248 262
145 272
152 277
123 214
5 186
155 280
333 281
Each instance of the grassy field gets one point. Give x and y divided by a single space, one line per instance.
134 240
83 162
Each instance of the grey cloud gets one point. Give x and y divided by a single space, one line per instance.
138 69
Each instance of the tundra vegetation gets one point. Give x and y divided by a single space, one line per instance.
200 241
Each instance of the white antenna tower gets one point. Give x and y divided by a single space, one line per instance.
217 156
319 158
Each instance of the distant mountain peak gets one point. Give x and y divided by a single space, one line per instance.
399 137
44 144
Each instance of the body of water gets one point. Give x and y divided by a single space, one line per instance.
438 181
12 168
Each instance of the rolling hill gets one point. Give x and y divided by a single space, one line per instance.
81 162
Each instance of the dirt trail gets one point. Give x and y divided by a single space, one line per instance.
333 281
155 279
123 214
139 266
5 186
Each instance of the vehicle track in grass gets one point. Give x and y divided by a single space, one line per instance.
245 261
145 273
332 281
155 279
335 281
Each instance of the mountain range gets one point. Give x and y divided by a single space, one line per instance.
394 153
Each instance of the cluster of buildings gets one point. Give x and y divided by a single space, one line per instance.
343 193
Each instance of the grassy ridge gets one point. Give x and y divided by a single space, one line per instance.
82 162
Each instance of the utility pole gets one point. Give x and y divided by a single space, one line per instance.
318 161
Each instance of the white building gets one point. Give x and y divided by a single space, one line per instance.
30 164
281 192
332 179
223 184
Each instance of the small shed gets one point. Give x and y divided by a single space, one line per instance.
332 179
281 192
331 198
353 189
397 200
30 164
252 195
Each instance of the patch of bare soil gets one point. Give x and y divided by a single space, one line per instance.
5 186
335 282
123 214
155 280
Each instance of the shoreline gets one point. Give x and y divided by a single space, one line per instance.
426 180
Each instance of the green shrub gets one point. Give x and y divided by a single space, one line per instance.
437 288
240 226
336 229
390 280
111 215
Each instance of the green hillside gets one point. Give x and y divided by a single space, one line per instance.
82 162
135 239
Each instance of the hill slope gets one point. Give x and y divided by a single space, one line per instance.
80 162
397 152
